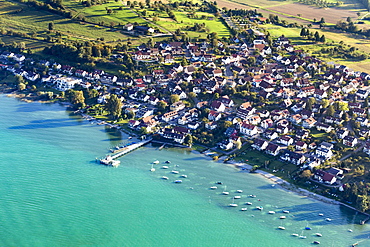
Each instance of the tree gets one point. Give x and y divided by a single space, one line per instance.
330 111
174 98
114 106
322 38
192 95
311 101
306 174
76 98
362 202
189 140
21 86
317 36
325 103
51 26
162 105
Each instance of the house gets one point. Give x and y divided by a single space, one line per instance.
309 123
323 127
285 140
218 106
170 116
66 83
211 125
144 112
214 116
324 177
302 133
272 149
267 123
342 133
248 129
270 134
324 153
350 141
300 145
367 148
292 157
259 144
177 106
226 144
226 101
311 163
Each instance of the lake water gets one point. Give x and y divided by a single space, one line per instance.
53 193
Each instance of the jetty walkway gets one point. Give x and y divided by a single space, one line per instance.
130 148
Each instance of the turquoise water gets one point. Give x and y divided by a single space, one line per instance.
54 194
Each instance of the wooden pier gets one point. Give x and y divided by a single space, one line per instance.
130 148
109 160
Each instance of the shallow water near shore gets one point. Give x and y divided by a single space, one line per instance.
54 194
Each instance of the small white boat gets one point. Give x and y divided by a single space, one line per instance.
178 181
286 211
225 192
281 228
155 162
295 234
303 237
164 167
248 203
167 162
282 217
252 196
350 230
237 197
316 242
271 212
165 178
239 191
259 208
175 172
244 209
321 214
219 182
328 219
184 176
213 187
233 204
318 234
152 169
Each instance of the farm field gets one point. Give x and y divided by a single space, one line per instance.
293 35
31 20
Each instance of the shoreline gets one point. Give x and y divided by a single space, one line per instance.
288 187
283 184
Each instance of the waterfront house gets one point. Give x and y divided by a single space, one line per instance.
259 144
248 129
273 149
324 177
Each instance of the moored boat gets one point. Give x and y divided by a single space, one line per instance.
259 208
184 176
175 172
281 227
316 242
237 197
271 212
233 204
252 196
286 211
328 219
282 217
178 181
156 162
244 209
295 234
239 191
248 203
213 187
165 178
225 192
318 234
164 167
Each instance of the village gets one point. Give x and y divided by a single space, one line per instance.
266 94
